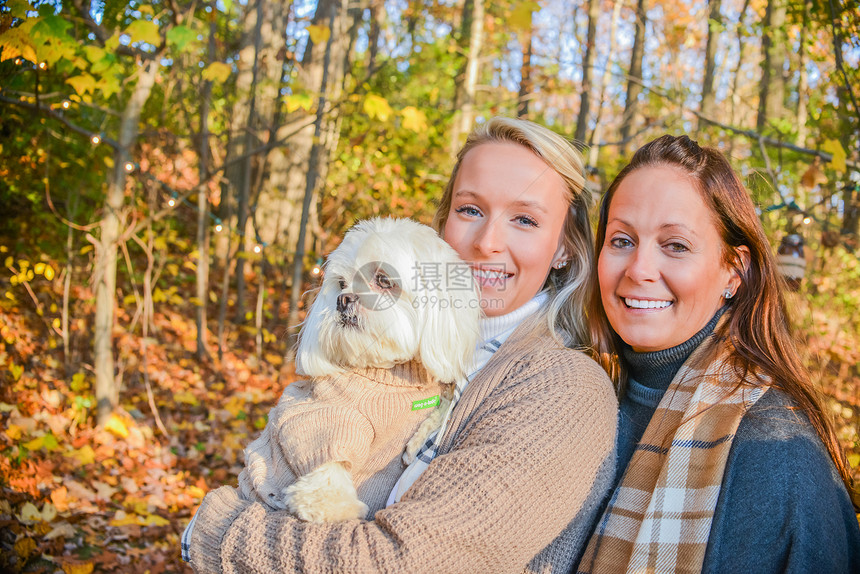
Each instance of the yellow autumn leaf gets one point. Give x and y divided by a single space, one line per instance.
143 31
82 83
49 512
14 432
34 444
414 119
123 519
834 148
377 107
16 43
187 398
84 455
50 443
115 425
24 548
29 513
63 529
195 491
521 15
231 441
298 102
82 568
136 505
235 405
154 520
217 72
319 34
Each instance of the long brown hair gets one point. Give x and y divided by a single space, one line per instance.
569 286
757 329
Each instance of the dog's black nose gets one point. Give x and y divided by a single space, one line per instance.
345 302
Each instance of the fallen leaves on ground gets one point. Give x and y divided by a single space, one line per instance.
78 499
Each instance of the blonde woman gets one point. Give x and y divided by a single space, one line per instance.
515 479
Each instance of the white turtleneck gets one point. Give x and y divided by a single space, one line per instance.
493 331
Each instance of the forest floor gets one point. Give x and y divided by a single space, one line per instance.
78 499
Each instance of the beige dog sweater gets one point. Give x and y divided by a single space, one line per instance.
362 418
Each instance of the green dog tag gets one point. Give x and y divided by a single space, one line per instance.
425 403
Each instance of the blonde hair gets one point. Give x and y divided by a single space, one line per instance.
569 287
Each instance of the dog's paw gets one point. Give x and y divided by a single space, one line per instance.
425 430
326 494
411 451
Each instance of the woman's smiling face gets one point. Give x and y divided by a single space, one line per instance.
508 209
661 267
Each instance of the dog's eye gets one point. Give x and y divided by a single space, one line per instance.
342 284
383 282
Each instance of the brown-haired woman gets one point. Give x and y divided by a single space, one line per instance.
727 461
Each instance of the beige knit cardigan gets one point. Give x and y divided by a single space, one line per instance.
527 458
362 418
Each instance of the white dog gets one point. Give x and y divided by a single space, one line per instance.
394 324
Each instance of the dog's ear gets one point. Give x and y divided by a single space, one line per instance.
311 358
450 330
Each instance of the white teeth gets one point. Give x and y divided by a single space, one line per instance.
643 304
488 274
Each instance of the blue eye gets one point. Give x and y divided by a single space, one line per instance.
526 220
468 210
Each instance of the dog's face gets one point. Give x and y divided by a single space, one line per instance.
392 291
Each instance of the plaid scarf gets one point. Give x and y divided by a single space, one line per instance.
659 517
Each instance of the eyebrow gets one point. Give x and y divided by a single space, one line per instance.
519 203
664 226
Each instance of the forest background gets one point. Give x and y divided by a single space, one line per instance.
173 173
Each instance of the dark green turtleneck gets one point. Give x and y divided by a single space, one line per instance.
649 377
782 506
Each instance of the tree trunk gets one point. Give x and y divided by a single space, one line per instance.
803 79
634 81
202 279
299 125
104 269
714 24
272 174
588 70
597 134
239 125
851 215
251 139
377 21
526 83
336 10
471 40
772 88
735 98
